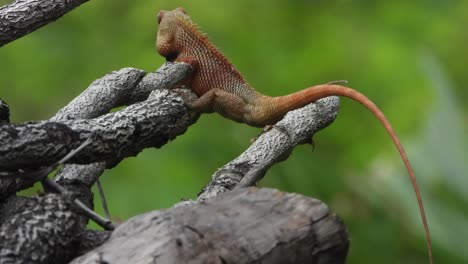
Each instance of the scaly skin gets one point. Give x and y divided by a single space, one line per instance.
221 88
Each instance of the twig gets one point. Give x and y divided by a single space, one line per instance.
104 223
103 199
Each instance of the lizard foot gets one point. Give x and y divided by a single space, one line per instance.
264 130
184 93
267 128
311 142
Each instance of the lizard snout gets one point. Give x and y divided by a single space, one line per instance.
161 15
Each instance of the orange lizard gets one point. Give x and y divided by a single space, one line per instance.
221 88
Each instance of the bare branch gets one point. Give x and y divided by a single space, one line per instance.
25 16
102 95
166 77
297 127
243 226
122 87
151 123
298 230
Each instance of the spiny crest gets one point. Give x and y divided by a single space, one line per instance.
189 25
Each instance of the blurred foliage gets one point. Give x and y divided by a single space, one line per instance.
412 53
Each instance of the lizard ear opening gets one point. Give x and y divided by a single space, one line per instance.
161 15
181 9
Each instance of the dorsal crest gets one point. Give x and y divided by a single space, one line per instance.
187 24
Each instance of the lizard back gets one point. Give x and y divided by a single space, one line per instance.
180 40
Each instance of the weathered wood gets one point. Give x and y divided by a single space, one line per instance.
47 228
166 77
244 226
43 230
151 123
119 88
4 113
114 87
299 126
274 146
24 16
102 95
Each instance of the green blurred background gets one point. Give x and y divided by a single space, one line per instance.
410 57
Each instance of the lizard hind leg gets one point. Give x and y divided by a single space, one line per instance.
216 100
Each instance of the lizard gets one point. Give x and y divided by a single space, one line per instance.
221 88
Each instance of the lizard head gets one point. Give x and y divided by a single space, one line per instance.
168 25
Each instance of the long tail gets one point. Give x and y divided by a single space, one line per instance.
301 98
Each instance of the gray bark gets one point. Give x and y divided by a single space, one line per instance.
123 87
25 16
102 95
45 229
243 226
4 113
24 227
160 118
50 219
120 88
274 146
67 132
151 123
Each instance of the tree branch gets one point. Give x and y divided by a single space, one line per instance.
247 225
151 123
41 229
25 16
244 226
271 147
43 143
106 88
274 146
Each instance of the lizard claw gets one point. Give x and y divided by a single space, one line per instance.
267 128
184 93
311 142
264 130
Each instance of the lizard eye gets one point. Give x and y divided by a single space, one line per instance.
160 16
181 9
